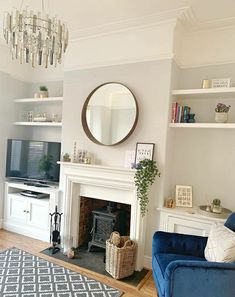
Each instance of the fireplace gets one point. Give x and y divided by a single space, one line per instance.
98 182
98 219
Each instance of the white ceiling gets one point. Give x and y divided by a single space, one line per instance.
84 14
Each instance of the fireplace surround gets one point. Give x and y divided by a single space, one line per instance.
104 183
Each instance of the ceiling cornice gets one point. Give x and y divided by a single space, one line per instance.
200 65
165 56
220 24
184 13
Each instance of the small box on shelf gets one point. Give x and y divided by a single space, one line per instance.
221 83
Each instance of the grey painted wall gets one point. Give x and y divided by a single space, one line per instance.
150 83
55 89
10 89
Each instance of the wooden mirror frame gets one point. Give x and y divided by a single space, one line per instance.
84 121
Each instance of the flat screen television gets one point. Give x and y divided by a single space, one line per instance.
33 160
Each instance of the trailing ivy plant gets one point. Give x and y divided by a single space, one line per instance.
146 172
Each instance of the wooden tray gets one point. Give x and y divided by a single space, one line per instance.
224 215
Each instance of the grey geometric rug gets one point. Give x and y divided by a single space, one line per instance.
25 275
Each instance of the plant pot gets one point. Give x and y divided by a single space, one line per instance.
221 117
216 208
43 94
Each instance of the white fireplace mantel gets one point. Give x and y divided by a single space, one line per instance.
99 182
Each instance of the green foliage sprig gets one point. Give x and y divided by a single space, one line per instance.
43 89
221 107
46 163
216 202
144 177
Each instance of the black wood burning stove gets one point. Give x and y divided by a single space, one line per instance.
104 223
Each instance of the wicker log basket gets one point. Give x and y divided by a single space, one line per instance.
120 256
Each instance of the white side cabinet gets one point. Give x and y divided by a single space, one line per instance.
186 221
26 215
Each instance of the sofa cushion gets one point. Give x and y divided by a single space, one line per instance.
220 245
159 263
182 244
230 223
164 259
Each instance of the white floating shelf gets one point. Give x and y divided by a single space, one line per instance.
204 125
40 124
39 100
210 92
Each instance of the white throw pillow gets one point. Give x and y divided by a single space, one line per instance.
220 245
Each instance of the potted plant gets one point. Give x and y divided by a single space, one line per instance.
221 113
216 206
146 171
46 165
66 158
43 92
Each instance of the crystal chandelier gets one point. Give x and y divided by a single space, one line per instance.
35 37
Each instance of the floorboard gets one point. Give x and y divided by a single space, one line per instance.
9 239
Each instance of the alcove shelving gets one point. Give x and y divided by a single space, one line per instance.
203 125
39 100
40 124
51 104
200 94
210 92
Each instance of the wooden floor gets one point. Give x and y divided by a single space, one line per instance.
8 239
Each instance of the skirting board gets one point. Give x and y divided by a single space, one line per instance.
1 224
147 262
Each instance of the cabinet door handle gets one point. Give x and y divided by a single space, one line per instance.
24 210
27 211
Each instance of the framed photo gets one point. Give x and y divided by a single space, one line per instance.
144 151
184 196
221 83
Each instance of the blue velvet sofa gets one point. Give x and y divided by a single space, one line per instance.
180 269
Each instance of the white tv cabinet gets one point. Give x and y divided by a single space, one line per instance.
186 221
29 216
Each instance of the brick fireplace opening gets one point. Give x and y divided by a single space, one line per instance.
98 218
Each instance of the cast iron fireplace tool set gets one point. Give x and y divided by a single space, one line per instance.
55 227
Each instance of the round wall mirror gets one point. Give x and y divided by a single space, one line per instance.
110 114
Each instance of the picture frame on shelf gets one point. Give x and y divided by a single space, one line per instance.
183 196
221 83
144 151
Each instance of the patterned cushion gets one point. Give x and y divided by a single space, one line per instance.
220 245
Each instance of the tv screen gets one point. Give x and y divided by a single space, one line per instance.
33 160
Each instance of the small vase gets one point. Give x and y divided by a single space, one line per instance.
70 253
221 117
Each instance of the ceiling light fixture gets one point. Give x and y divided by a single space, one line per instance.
35 37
